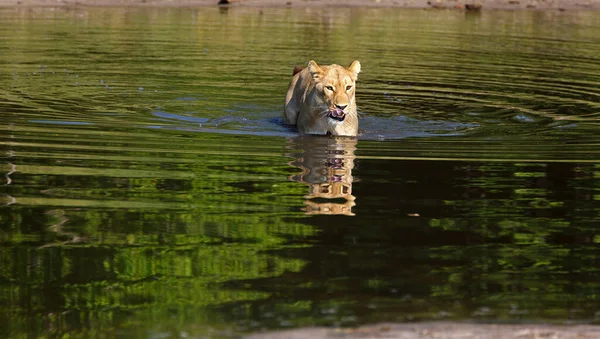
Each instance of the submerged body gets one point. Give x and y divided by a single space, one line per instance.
320 99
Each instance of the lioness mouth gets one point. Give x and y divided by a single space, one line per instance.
337 114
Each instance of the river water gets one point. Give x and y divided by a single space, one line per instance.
148 188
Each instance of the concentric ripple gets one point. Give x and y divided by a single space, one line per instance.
497 74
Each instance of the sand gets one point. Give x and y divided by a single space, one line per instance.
441 330
559 5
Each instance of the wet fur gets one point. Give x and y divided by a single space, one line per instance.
317 90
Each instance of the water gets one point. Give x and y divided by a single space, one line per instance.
148 188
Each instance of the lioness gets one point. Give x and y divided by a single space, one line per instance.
320 99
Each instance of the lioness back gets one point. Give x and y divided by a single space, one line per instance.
320 99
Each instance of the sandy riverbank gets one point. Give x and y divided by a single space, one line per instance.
426 4
441 330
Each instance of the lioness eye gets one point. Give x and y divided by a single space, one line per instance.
329 88
348 88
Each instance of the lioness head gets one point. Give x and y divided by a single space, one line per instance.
335 87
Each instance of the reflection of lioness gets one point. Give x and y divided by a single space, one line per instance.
320 99
326 167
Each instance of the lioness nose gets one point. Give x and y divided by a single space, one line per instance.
341 106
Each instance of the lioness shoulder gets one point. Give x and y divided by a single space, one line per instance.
320 99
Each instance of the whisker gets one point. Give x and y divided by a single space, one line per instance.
323 113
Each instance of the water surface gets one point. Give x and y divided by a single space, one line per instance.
148 188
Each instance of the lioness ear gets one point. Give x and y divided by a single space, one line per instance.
314 70
354 68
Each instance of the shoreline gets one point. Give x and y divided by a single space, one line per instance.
472 5
440 330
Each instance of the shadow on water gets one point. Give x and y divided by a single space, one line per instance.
442 240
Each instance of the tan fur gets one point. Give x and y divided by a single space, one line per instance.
326 167
317 90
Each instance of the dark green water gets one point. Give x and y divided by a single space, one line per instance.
148 189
